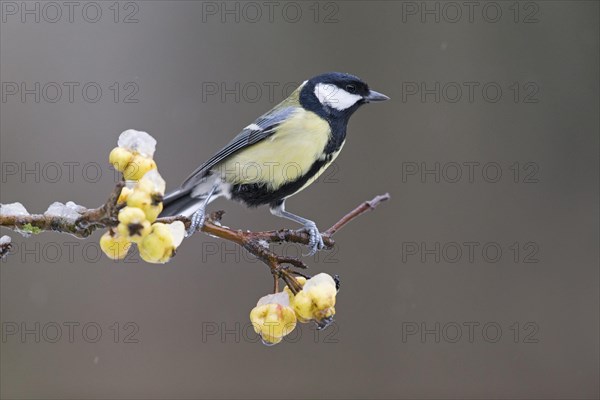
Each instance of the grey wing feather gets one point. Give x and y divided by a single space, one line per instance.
265 127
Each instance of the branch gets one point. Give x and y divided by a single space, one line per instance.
257 243
213 227
104 216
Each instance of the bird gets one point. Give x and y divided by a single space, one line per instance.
279 154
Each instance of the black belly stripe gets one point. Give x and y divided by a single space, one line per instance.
254 194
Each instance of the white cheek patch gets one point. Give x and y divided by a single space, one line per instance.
334 97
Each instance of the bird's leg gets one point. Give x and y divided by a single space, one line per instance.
316 240
199 215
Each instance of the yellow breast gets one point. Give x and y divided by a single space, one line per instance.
284 156
322 169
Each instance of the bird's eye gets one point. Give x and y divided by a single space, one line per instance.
350 88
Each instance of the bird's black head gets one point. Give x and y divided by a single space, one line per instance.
335 94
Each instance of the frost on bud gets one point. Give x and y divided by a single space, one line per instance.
178 232
273 318
114 245
137 142
119 158
316 300
137 167
69 212
133 224
13 210
152 183
160 245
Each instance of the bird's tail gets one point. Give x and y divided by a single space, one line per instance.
177 202
187 201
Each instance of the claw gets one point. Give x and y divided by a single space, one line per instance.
315 242
197 221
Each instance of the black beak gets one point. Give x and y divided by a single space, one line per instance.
375 96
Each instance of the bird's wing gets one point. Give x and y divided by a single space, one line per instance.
262 128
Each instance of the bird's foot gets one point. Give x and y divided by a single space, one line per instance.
315 242
197 221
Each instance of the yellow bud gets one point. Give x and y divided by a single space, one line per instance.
133 224
131 214
303 307
316 300
163 232
273 321
146 202
134 231
158 247
119 158
125 192
138 199
137 167
114 245
154 250
152 212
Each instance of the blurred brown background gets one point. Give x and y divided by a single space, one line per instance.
419 315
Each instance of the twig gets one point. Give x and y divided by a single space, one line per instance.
364 207
257 243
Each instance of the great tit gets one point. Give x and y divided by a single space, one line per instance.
278 155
